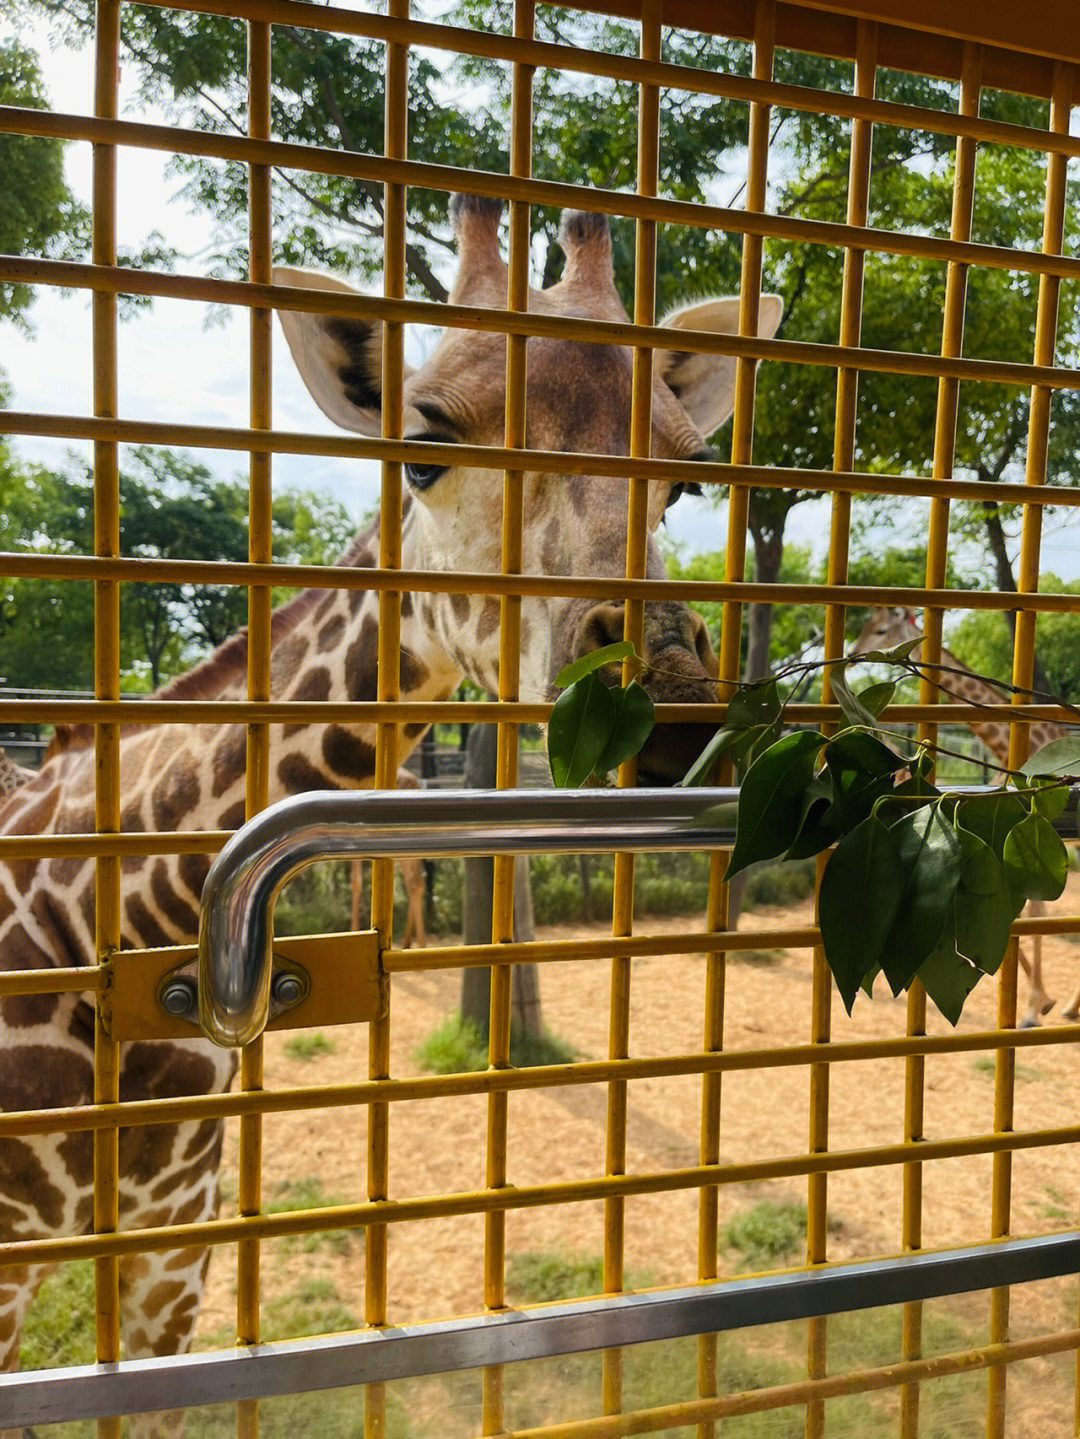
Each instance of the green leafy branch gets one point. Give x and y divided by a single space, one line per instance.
920 882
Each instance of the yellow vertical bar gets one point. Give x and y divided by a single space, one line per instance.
709 1196
260 551
952 345
847 388
742 434
106 683
502 918
637 536
389 678
1023 668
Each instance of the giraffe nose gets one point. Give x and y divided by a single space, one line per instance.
600 626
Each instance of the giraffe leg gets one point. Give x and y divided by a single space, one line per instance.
412 872
160 1296
18 1285
1039 1002
1071 1012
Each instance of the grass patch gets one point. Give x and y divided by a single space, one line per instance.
60 1328
757 958
460 1046
767 1234
313 1308
308 1193
308 1045
544 1277
986 1065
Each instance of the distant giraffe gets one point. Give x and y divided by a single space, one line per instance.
324 647
12 775
888 626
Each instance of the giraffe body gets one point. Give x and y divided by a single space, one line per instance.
324 647
889 626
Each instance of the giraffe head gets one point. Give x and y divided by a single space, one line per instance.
578 400
888 625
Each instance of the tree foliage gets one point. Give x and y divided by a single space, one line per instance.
171 508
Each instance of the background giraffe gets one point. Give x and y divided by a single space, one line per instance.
892 625
324 646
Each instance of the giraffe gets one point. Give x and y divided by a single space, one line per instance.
12 775
892 625
324 646
412 873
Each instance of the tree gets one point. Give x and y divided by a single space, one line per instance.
171 508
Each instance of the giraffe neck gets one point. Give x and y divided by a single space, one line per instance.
324 646
993 733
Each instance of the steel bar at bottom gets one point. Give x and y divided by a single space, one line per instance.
395 1353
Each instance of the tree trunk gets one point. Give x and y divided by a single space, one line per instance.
1003 574
476 906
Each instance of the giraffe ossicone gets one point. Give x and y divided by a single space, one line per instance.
325 647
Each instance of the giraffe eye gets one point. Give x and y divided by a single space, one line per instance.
422 477
678 490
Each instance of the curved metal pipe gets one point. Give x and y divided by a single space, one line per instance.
246 877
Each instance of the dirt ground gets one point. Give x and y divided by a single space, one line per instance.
438 1146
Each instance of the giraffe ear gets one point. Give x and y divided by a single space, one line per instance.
705 384
339 357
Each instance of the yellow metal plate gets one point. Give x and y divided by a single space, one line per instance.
348 985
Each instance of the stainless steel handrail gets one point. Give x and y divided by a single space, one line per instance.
246 877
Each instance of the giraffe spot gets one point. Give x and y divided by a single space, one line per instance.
413 672
325 605
179 1181
81 1023
145 927
176 909
551 548
230 754
288 657
406 606
361 662
460 606
176 794
161 1294
65 871
329 636
20 951
312 686
234 816
24 1182
43 1076
488 619
193 869
77 1152
297 775
19 1011
415 730
35 818
185 1258
48 908
348 754
159 1070
207 1134
87 901
7 907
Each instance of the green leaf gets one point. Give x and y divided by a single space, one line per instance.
855 712
948 980
896 655
635 717
862 769
770 798
929 864
579 731
1049 797
719 745
876 697
860 893
1059 757
1034 859
596 659
753 722
753 705
814 834
991 817
984 906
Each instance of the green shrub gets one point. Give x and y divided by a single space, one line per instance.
308 1045
459 1046
766 1234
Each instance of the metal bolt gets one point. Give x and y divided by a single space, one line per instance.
289 987
179 996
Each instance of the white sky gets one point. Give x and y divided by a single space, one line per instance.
173 366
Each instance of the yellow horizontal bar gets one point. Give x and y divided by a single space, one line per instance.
490 1201
378 169
803 1392
188 1108
145 432
53 981
40 565
56 846
123 280
689 80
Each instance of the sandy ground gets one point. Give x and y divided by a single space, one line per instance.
438 1146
